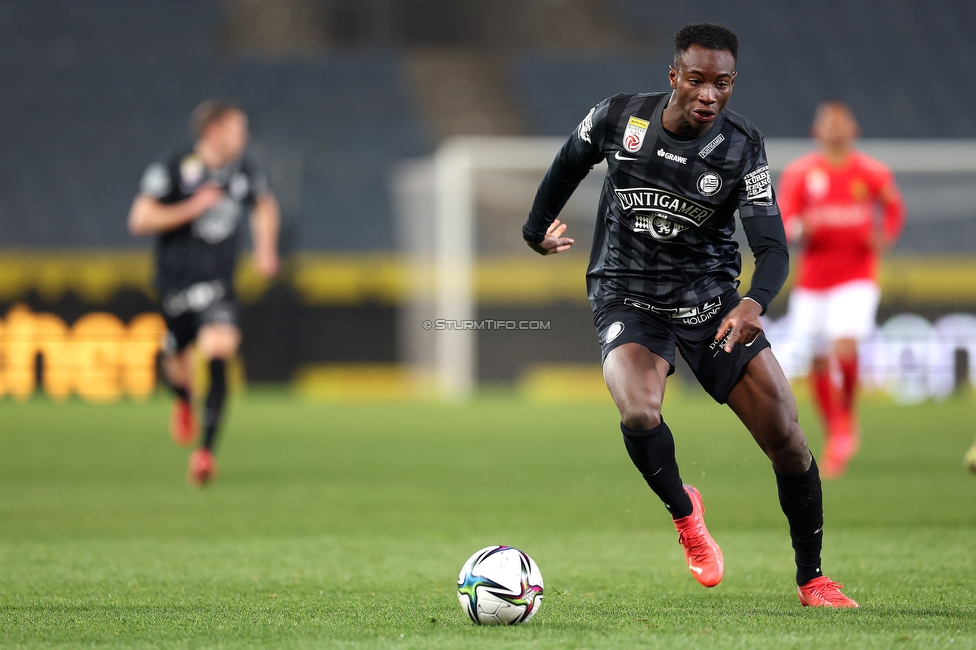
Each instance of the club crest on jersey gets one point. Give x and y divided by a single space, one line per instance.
709 184
634 134
191 171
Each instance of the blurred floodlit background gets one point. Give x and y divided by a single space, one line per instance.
352 104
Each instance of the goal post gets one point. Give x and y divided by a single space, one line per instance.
439 197
456 165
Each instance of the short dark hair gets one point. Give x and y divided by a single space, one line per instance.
210 111
834 103
707 35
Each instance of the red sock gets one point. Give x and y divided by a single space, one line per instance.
823 391
848 389
848 372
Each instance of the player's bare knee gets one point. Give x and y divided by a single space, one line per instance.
789 452
793 462
641 417
220 351
175 377
845 349
176 370
820 364
219 343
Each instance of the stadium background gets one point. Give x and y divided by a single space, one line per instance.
338 522
341 94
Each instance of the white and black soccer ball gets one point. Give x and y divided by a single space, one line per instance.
500 585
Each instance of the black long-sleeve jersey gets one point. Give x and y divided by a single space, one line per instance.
667 210
206 248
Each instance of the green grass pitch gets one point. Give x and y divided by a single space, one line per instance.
345 526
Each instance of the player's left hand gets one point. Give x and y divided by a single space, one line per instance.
554 241
741 325
266 262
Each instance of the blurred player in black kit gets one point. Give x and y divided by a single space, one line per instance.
194 203
662 275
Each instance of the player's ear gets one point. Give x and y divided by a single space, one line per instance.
673 76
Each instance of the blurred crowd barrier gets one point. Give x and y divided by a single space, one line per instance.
99 357
342 326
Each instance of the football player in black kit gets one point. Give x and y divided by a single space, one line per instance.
662 275
194 203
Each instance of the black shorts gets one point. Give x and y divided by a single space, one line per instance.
691 330
187 310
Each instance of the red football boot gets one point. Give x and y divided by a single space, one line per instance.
843 442
703 555
183 425
823 592
202 468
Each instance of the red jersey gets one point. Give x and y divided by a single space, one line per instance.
839 210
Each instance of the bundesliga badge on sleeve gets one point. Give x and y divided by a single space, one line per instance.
634 134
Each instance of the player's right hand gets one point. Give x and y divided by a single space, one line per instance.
206 197
554 241
741 325
266 262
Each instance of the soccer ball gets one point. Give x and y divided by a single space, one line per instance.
500 585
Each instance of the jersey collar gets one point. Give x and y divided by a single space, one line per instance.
698 142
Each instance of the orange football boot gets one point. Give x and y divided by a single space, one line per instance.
183 424
703 555
202 468
823 592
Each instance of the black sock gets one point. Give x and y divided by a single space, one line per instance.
652 451
801 498
215 401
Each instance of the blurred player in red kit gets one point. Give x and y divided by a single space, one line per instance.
843 209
